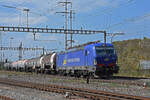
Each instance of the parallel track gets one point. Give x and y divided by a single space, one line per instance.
123 80
5 98
85 93
116 79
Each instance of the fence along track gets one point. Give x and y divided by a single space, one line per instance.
5 98
85 93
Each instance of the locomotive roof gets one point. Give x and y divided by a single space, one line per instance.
102 44
88 45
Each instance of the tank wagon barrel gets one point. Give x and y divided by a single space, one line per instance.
49 63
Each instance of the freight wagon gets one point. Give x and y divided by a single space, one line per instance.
93 59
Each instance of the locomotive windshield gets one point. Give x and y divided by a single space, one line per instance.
105 50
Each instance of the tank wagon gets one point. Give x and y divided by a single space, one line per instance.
49 63
43 64
94 59
21 65
33 65
17 66
7 66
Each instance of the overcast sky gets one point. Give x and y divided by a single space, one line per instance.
131 17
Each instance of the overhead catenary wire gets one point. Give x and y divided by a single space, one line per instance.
138 18
110 9
22 9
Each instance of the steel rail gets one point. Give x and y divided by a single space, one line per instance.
122 82
85 93
6 98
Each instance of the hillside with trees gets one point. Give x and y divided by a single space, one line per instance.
130 52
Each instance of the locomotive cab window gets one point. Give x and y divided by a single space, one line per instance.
105 50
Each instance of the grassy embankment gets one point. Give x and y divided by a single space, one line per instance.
130 53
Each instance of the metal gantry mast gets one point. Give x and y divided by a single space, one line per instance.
66 20
27 10
66 31
21 49
71 26
48 30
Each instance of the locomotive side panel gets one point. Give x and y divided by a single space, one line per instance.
95 59
73 63
70 59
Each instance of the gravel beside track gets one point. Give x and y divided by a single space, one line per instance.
85 93
5 98
18 93
80 83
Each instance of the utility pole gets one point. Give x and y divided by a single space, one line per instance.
27 10
1 46
0 39
20 51
105 34
11 40
71 25
66 10
66 21
71 35
71 19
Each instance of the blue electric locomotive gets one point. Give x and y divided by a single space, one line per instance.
93 59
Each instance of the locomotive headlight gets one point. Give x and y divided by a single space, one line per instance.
95 62
106 59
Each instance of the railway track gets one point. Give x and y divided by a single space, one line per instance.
116 79
85 93
5 98
122 80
